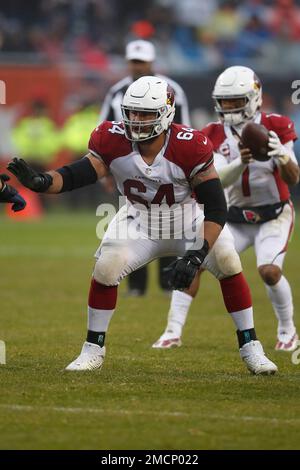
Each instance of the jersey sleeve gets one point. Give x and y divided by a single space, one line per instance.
190 150
215 132
98 143
203 156
283 126
94 145
108 142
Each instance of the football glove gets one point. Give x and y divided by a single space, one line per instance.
38 182
182 271
10 194
278 151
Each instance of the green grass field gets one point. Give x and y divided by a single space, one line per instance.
199 396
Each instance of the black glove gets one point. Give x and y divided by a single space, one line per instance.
38 182
183 270
10 194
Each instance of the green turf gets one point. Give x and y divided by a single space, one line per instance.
197 397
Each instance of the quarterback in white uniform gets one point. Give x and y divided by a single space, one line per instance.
156 164
260 211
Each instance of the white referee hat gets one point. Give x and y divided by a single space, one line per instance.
140 50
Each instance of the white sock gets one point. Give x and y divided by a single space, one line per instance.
281 297
179 309
98 320
243 319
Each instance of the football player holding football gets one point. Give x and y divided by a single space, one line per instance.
260 212
155 162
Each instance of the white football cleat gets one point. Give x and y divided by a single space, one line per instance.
287 341
90 358
167 341
256 361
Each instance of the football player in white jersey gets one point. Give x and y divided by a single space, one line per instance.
260 211
156 164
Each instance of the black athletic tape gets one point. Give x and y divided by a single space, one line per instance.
211 194
77 174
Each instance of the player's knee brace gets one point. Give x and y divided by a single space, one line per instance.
109 267
228 261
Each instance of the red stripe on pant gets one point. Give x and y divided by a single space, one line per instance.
284 249
102 297
236 293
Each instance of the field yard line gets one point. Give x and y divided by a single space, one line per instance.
170 414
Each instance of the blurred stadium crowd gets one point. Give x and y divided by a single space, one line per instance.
66 54
189 35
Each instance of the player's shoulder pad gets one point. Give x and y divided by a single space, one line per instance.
189 149
282 125
108 141
215 132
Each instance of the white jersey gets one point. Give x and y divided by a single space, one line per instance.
260 183
167 181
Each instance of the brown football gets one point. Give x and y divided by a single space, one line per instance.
255 137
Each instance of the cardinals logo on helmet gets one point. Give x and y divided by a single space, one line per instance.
170 95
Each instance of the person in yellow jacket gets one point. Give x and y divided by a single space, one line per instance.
36 136
77 129
74 136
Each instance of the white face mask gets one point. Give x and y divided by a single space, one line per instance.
138 136
233 119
